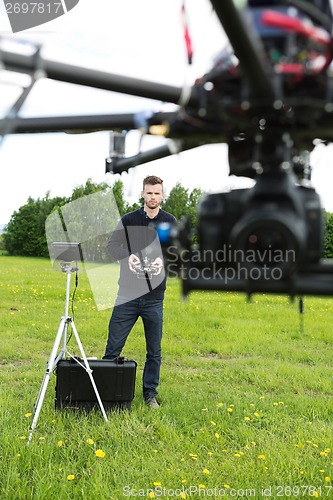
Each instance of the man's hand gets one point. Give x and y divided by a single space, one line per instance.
133 260
158 265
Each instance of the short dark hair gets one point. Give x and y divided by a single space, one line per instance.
152 180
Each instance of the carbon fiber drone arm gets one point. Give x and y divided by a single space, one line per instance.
84 123
58 71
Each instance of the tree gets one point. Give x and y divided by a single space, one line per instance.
25 232
184 205
181 203
89 187
92 214
328 240
134 206
118 193
2 243
177 201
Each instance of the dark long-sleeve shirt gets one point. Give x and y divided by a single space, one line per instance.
136 234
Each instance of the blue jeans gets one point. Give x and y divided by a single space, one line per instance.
124 316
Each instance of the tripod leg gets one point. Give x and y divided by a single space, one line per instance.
52 362
89 371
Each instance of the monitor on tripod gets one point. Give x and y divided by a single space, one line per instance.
66 251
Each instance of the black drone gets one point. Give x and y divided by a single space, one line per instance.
270 99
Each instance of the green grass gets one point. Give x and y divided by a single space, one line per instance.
246 398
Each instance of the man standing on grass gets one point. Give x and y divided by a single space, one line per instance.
142 283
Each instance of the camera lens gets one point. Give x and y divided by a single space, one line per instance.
274 243
262 238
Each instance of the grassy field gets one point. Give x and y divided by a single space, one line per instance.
246 397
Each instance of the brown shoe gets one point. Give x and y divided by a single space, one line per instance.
152 402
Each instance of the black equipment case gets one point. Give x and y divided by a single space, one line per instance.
114 379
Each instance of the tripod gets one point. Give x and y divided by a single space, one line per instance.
69 269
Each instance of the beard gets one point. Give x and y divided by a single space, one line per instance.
152 204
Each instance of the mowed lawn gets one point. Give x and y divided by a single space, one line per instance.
246 391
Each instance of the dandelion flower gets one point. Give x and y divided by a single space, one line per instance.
206 471
23 437
90 441
70 477
60 443
229 409
157 483
28 414
100 453
212 422
327 479
202 486
246 419
182 494
261 457
217 435
151 494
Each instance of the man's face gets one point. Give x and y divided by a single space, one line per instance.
152 195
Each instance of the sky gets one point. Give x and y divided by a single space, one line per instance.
143 39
